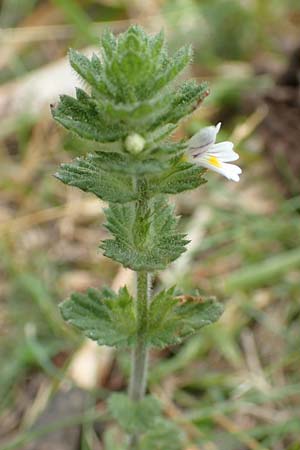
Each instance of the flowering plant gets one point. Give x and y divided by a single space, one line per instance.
130 108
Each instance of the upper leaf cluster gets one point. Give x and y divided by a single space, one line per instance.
128 88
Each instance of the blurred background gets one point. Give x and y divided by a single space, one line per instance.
236 385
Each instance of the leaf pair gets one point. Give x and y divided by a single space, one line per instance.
109 318
110 176
149 242
144 417
134 416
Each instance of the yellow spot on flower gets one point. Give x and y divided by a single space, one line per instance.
213 160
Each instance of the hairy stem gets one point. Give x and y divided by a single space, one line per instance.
137 385
139 364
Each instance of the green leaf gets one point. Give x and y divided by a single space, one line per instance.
130 164
143 243
138 115
83 117
182 176
102 316
186 99
165 435
109 44
156 44
172 319
134 416
88 175
81 64
159 133
90 71
173 67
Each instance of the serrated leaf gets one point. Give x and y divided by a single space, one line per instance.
83 118
145 164
129 164
181 176
81 64
138 115
90 71
134 416
109 44
197 312
173 67
186 99
159 134
147 243
88 175
102 316
172 319
165 435
156 43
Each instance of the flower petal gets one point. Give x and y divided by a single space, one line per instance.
203 140
230 171
224 151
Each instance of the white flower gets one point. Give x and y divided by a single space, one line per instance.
205 152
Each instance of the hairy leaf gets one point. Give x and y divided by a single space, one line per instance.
187 98
82 65
181 176
173 67
103 316
129 164
88 175
165 435
143 243
83 117
134 416
172 319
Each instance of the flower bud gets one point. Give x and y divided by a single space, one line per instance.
134 143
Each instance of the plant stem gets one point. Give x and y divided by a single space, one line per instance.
139 365
137 385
